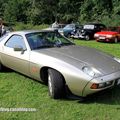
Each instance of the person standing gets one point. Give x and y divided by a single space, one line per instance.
55 25
2 28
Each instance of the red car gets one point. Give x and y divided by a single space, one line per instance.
110 35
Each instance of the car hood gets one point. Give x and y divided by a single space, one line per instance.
80 56
107 33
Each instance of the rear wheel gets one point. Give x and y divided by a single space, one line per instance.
87 37
56 84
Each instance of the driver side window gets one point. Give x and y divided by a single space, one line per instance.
15 40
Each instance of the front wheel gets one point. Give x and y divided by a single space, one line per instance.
56 86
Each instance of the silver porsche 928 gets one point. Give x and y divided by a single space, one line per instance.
53 59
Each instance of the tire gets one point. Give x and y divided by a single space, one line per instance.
116 40
56 86
87 37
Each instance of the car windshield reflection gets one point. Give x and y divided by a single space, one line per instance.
38 40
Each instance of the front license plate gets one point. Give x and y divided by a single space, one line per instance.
118 82
102 38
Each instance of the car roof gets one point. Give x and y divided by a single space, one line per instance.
30 31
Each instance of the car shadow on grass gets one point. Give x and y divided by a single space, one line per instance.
110 96
6 70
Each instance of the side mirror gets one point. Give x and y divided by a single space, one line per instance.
18 48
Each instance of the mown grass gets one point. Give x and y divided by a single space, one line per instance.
18 91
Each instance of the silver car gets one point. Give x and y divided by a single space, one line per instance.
68 69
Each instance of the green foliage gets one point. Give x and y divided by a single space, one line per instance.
11 11
22 26
15 11
39 12
95 10
111 21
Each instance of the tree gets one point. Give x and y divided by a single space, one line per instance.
11 11
47 11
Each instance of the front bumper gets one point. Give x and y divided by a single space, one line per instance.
105 39
114 77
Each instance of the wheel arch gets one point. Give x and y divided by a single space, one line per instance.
44 74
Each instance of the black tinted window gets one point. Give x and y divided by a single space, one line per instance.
15 40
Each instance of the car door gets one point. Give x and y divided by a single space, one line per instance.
16 60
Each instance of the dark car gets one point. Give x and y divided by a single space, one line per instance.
69 29
90 29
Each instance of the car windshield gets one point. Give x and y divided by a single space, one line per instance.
47 39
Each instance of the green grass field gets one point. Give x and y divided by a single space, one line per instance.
18 91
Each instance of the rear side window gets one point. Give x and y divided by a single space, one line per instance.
15 40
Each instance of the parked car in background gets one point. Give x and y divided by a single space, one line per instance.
68 69
69 29
90 29
111 34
